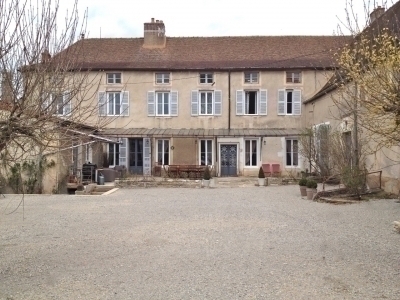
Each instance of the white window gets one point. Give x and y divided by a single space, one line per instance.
163 152
113 78
251 153
293 77
206 103
162 103
250 77
162 78
57 104
292 152
251 102
114 103
206 157
88 153
113 154
289 102
206 78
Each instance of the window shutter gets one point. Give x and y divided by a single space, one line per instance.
195 103
151 106
102 104
174 103
146 157
263 102
281 102
297 102
125 103
218 103
67 103
122 152
239 102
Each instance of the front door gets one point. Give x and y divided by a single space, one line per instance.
136 156
229 160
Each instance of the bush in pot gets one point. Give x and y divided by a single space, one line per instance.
206 176
261 177
303 186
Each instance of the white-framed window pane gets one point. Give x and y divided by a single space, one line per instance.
111 103
117 101
163 152
206 78
293 77
206 152
166 103
251 77
113 154
206 103
251 152
289 102
292 152
113 78
251 102
163 103
59 104
162 78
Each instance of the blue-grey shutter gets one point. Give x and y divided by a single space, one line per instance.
123 152
146 157
151 105
239 102
297 102
174 103
102 104
263 102
281 102
195 103
218 103
67 103
125 103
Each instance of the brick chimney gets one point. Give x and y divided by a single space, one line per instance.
376 13
154 34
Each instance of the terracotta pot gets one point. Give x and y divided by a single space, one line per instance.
303 191
309 194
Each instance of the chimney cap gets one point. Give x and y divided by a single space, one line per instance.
152 20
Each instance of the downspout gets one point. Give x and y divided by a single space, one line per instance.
229 99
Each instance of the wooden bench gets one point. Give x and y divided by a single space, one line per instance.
271 170
185 171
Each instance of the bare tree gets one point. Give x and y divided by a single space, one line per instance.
45 94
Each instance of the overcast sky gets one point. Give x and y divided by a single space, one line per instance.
125 18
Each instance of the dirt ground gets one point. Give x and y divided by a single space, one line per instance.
191 243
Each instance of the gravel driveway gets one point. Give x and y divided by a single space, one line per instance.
224 243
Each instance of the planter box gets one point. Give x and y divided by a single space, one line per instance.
261 181
303 191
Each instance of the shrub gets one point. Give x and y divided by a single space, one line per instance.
207 174
312 184
303 182
261 173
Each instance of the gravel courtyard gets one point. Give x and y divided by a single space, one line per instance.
188 243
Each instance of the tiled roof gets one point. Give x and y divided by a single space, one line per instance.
199 132
185 53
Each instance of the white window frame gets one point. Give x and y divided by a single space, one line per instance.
113 78
246 103
292 153
251 77
163 151
208 78
212 103
59 105
163 93
88 153
114 106
251 151
293 77
162 78
207 150
116 154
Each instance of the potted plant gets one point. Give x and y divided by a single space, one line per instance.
311 187
206 177
261 177
303 187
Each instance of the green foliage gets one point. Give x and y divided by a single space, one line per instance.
312 184
207 173
303 182
261 173
26 178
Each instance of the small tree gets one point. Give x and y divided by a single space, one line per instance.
207 173
261 173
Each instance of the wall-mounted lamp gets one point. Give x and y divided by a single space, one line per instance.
265 142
